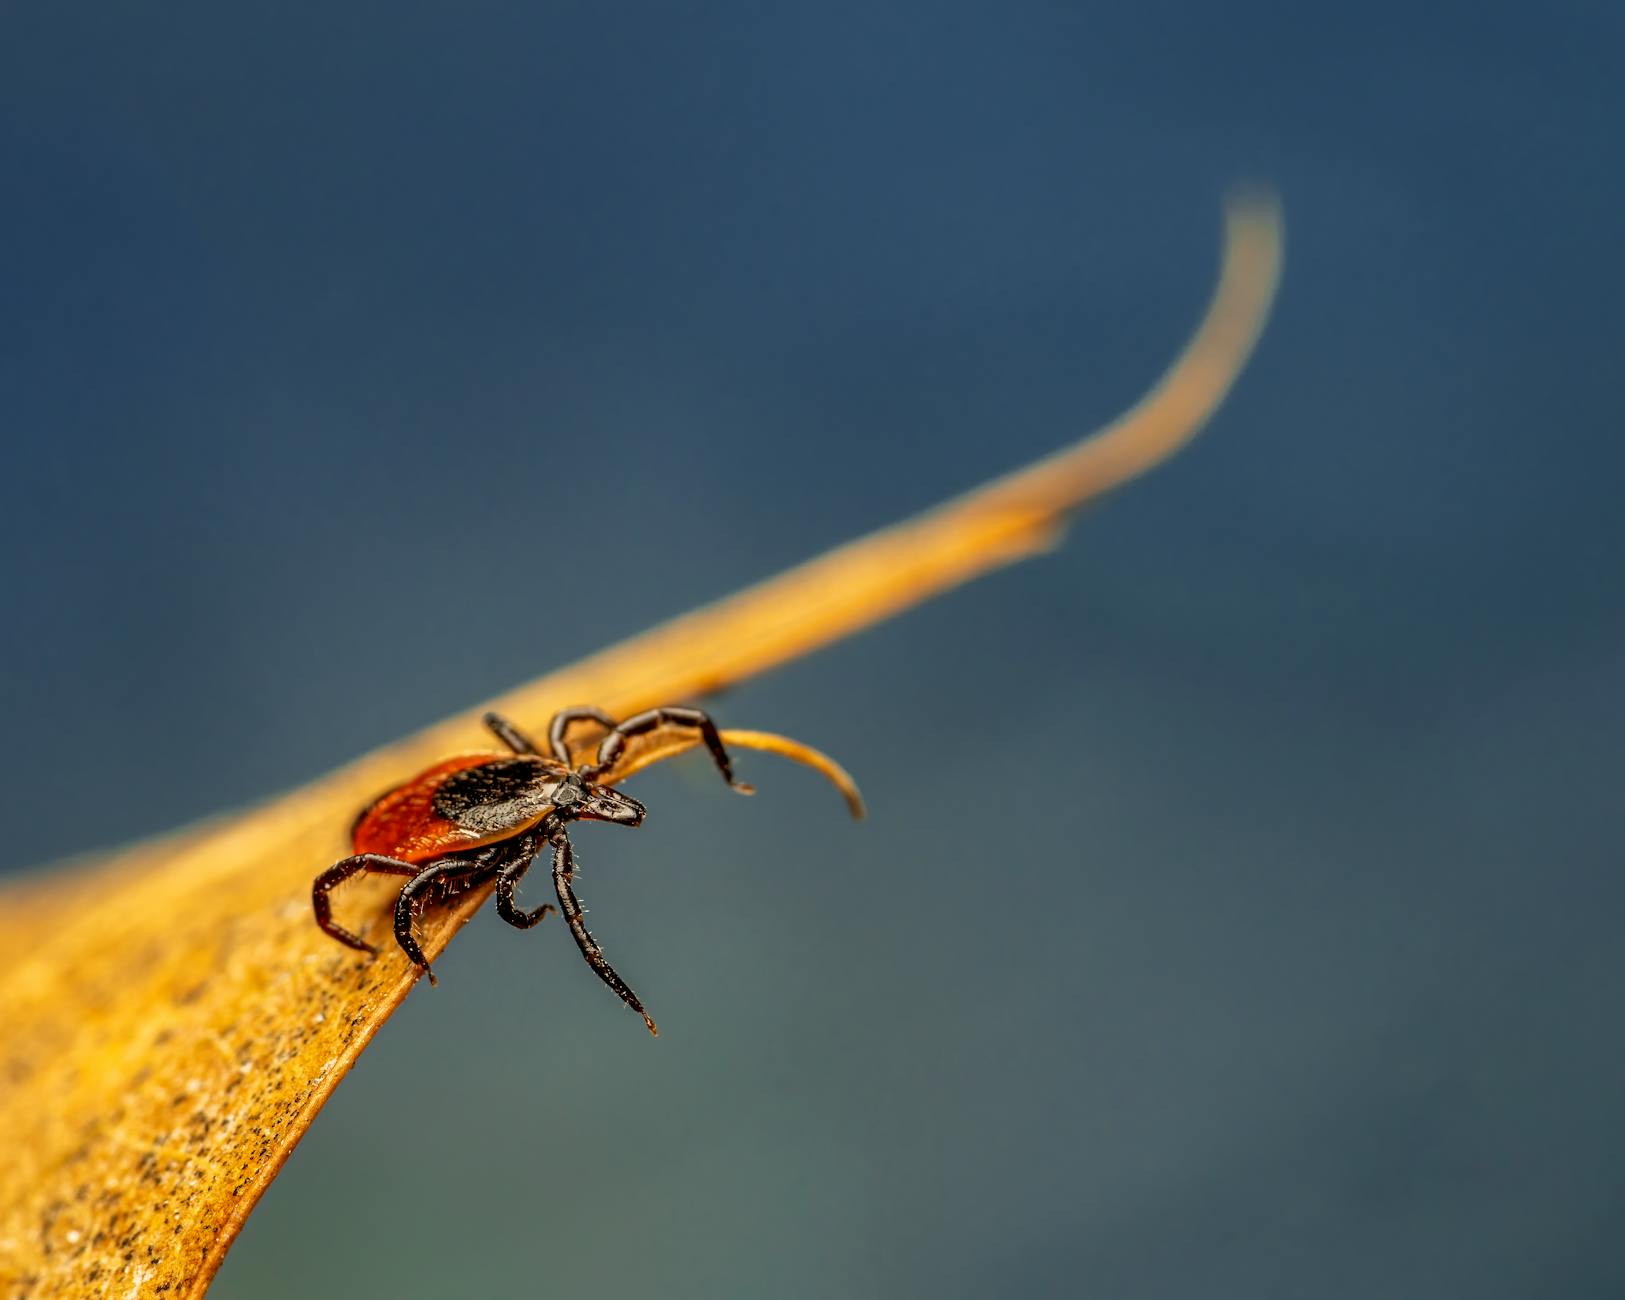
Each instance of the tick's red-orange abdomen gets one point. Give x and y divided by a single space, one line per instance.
404 824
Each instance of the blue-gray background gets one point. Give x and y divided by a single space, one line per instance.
1240 911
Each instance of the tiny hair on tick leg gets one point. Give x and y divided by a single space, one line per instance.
487 818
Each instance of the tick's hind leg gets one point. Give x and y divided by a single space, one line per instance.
336 875
563 873
613 744
438 880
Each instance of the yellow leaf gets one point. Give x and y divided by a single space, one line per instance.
172 1019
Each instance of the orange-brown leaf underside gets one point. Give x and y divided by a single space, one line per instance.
172 1020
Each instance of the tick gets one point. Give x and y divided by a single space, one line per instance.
480 817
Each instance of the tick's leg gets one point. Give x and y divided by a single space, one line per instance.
509 734
445 872
563 872
564 719
337 874
508 877
614 743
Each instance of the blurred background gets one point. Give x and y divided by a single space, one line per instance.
1239 910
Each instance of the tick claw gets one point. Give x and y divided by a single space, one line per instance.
742 787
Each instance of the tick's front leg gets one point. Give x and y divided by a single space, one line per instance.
448 871
520 860
558 730
611 747
574 916
509 734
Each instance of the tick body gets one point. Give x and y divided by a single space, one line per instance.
478 818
